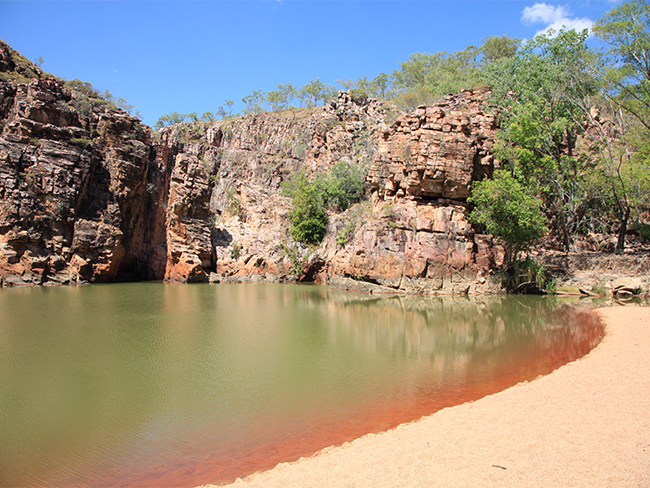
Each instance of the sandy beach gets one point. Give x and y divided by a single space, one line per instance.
585 424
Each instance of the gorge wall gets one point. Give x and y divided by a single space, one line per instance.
89 194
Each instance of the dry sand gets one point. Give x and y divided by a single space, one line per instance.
586 424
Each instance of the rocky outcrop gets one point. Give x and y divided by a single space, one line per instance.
73 190
416 237
411 247
188 233
251 156
413 237
436 151
86 195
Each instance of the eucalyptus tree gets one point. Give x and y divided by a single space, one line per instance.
281 98
620 128
315 92
254 102
626 30
541 123
509 212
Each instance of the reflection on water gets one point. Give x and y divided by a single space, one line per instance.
150 384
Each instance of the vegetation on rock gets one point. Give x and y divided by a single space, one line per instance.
336 190
508 212
570 159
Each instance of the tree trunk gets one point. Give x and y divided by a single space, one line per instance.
565 233
620 244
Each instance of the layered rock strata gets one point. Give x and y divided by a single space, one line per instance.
410 246
86 195
437 151
73 189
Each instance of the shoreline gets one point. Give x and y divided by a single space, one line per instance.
585 424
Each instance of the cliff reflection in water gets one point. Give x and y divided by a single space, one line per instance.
151 384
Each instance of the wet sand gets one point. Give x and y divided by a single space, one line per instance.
586 424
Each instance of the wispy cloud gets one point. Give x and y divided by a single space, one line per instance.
553 17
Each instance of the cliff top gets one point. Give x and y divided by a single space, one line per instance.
14 66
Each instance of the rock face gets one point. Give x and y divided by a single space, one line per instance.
412 247
416 237
188 233
86 195
254 155
73 188
436 152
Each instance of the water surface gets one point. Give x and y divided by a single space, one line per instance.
147 384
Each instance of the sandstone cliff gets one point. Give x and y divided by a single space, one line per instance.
74 205
416 237
88 194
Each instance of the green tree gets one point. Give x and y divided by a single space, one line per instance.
172 118
225 112
254 102
281 98
620 128
497 48
537 92
347 84
380 84
316 92
208 117
308 216
342 186
626 30
508 211
439 73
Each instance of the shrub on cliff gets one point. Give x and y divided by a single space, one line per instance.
308 216
336 190
342 186
508 211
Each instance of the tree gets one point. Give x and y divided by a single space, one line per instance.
208 117
172 118
508 211
225 113
308 216
380 84
316 92
497 48
626 30
620 128
541 121
281 98
254 102
439 73
342 186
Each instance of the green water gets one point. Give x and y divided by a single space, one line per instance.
147 384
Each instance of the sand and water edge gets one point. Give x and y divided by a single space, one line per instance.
585 424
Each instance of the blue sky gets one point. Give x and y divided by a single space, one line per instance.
190 56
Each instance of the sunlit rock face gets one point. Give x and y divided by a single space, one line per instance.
416 237
88 195
74 205
436 151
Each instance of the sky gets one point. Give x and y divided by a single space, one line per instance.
191 56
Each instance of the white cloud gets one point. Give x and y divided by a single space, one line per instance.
553 17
